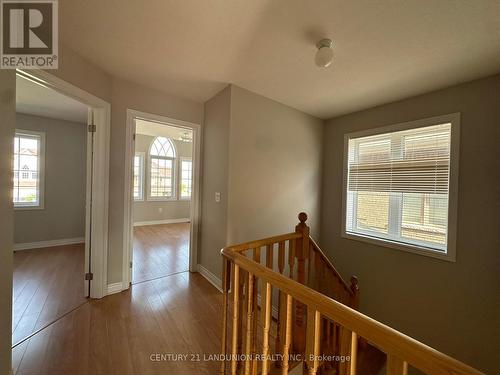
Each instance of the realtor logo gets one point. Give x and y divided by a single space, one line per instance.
29 34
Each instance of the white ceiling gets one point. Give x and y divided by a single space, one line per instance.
34 99
157 129
384 50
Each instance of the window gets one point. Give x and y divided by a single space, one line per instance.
161 171
186 178
28 169
139 176
400 186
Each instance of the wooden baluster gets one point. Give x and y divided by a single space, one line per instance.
280 329
250 326
241 307
270 256
281 257
269 262
354 353
333 286
319 270
292 245
345 349
396 366
267 310
302 251
256 258
313 339
236 310
311 275
288 333
226 282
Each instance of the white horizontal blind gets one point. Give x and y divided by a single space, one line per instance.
398 186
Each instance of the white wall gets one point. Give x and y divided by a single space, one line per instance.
150 210
63 215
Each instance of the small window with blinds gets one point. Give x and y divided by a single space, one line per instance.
400 186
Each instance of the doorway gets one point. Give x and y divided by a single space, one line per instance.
162 197
52 163
94 113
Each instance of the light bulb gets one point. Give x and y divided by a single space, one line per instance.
324 55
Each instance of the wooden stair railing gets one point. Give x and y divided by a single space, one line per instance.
319 328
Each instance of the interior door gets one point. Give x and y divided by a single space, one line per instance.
91 128
131 253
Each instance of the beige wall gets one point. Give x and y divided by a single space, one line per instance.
265 159
150 210
78 71
453 307
122 95
7 114
274 167
126 95
63 215
214 179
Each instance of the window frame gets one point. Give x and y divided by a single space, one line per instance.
449 254
142 156
174 172
181 159
41 172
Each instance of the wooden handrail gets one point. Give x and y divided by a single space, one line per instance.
396 344
265 241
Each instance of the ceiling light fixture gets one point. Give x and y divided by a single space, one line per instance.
186 137
324 55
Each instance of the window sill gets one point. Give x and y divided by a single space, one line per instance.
152 199
28 208
448 256
149 199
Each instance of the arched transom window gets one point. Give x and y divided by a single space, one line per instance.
162 175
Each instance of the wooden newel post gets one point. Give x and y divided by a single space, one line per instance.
302 253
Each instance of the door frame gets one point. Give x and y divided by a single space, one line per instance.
195 206
96 217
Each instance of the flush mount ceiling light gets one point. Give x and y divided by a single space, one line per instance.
324 55
186 137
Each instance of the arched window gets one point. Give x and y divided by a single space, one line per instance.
161 172
163 147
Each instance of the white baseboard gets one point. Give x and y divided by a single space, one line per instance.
212 279
50 243
114 288
166 221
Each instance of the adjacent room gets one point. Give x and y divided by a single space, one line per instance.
50 157
162 200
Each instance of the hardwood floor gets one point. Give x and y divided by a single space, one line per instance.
47 283
118 334
160 250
